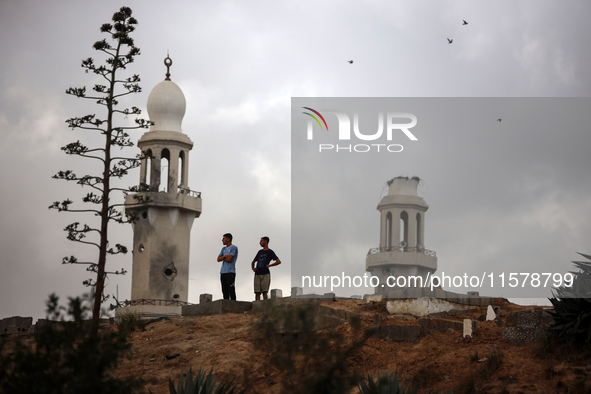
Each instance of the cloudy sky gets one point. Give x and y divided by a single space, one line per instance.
239 64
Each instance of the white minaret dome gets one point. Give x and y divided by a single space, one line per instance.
403 186
166 104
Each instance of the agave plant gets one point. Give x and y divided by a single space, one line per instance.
202 384
572 307
387 384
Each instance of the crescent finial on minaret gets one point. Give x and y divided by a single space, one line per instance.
167 63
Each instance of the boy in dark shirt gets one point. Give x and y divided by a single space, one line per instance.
260 266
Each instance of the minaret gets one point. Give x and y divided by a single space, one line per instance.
165 211
402 235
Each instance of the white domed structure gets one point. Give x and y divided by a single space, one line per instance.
166 107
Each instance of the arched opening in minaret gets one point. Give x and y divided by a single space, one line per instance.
165 169
182 178
419 232
389 231
147 178
404 229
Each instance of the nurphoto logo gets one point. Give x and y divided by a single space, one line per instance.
395 122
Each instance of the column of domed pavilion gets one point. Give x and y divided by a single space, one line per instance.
165 212
402 236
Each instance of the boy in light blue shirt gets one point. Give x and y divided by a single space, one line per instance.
228 256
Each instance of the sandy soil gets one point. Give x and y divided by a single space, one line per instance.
443 361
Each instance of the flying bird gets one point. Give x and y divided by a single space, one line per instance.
465 23
450 40
350 61
499 120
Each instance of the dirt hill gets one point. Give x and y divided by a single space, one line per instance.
442 360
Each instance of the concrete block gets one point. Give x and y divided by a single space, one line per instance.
522 335
372 298
216 307
490 313
280 302
306 299
203 298
473 294
527 326
423 306
527 318
16 325
262 305
468 329
276 293
334 317
297 291
329 296
432 324
149 311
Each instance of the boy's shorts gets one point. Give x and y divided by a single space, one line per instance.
262 283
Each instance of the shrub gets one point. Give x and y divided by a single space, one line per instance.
572 307
202 384
387 384
66 357
493 362
130 322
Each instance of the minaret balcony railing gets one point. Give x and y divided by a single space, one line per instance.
180 190
192 193
154 302
405 249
